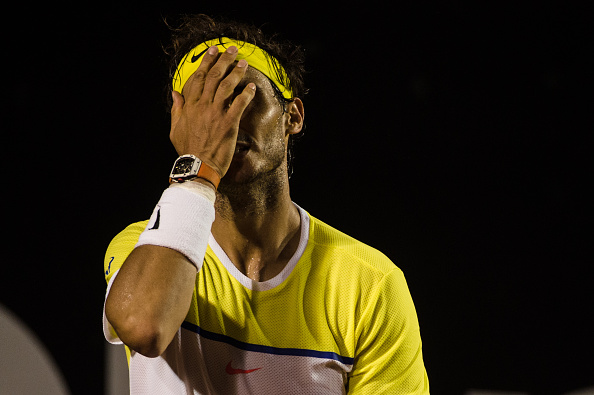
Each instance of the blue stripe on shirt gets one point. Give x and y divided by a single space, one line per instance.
299 352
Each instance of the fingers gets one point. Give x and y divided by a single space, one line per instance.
241 102
223 77
216 78
193 88
227 87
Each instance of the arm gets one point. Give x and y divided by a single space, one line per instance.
150 298
151 294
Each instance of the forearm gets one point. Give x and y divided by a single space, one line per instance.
152 292
150 298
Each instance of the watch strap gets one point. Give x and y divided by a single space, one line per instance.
209 174
204 171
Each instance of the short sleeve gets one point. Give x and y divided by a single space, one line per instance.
389 358
118 250
120 247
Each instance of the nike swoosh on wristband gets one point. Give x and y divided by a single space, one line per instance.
158 220
231 370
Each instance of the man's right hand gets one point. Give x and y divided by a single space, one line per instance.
205 119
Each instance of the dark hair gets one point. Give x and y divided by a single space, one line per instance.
195 29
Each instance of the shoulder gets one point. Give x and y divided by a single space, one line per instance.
344 249
121 246
128 236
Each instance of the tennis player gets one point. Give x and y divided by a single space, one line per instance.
230 287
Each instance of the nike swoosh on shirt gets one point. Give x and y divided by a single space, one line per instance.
231 370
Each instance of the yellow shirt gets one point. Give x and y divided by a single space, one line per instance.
339 318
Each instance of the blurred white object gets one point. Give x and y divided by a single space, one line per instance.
26 367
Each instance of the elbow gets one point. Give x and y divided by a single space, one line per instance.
146 340
140 334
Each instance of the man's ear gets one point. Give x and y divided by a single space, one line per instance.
296 116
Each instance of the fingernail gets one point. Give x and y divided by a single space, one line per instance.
242 63
213 50
232 49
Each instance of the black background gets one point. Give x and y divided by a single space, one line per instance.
453 137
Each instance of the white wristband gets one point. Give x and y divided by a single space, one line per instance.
197 188
182 221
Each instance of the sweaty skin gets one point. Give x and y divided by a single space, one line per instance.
228 118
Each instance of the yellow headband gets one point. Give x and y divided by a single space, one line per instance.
256 57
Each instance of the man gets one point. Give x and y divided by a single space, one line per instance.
230 287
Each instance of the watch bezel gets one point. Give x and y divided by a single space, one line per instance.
192 173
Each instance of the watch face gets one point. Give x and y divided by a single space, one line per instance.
183 166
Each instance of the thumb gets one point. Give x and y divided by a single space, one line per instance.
176 108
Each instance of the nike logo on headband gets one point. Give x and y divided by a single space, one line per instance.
196 57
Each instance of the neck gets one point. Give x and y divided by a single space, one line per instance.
257 225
